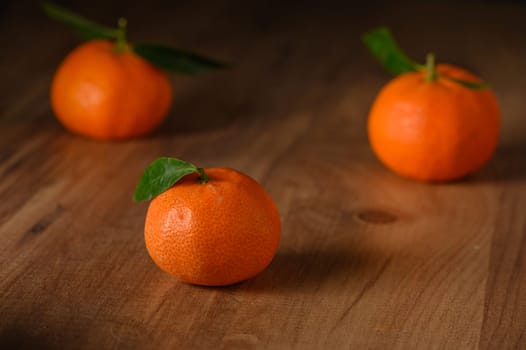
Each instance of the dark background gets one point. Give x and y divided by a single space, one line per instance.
459 32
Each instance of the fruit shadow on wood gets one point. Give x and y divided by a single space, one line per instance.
311 270
508 165
205 105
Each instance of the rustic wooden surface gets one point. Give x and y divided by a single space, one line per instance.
367 259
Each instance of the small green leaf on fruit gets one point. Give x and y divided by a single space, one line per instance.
176 60
160 175
87 29
384 48
470 84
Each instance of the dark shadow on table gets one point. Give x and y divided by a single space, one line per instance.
507 165
294 271
206 103
23 337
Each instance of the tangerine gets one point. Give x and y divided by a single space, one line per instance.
434 130
216 233
105 93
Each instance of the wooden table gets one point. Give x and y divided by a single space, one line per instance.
367 260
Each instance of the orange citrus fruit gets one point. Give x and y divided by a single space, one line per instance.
434 130
215 233
104 93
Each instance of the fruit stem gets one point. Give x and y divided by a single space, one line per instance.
120 45
203 177
431 73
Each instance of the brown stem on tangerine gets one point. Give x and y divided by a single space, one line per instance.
431 73
203 177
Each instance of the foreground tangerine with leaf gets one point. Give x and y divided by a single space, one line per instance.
431 122
212 227
110 89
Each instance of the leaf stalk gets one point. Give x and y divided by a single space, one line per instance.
431 72
203 177
121 44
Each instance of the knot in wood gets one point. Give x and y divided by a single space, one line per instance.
375 216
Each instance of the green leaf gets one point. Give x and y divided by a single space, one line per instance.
160 175
86 28
384 48
470 84
176 60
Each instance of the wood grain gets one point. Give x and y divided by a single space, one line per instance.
367 260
